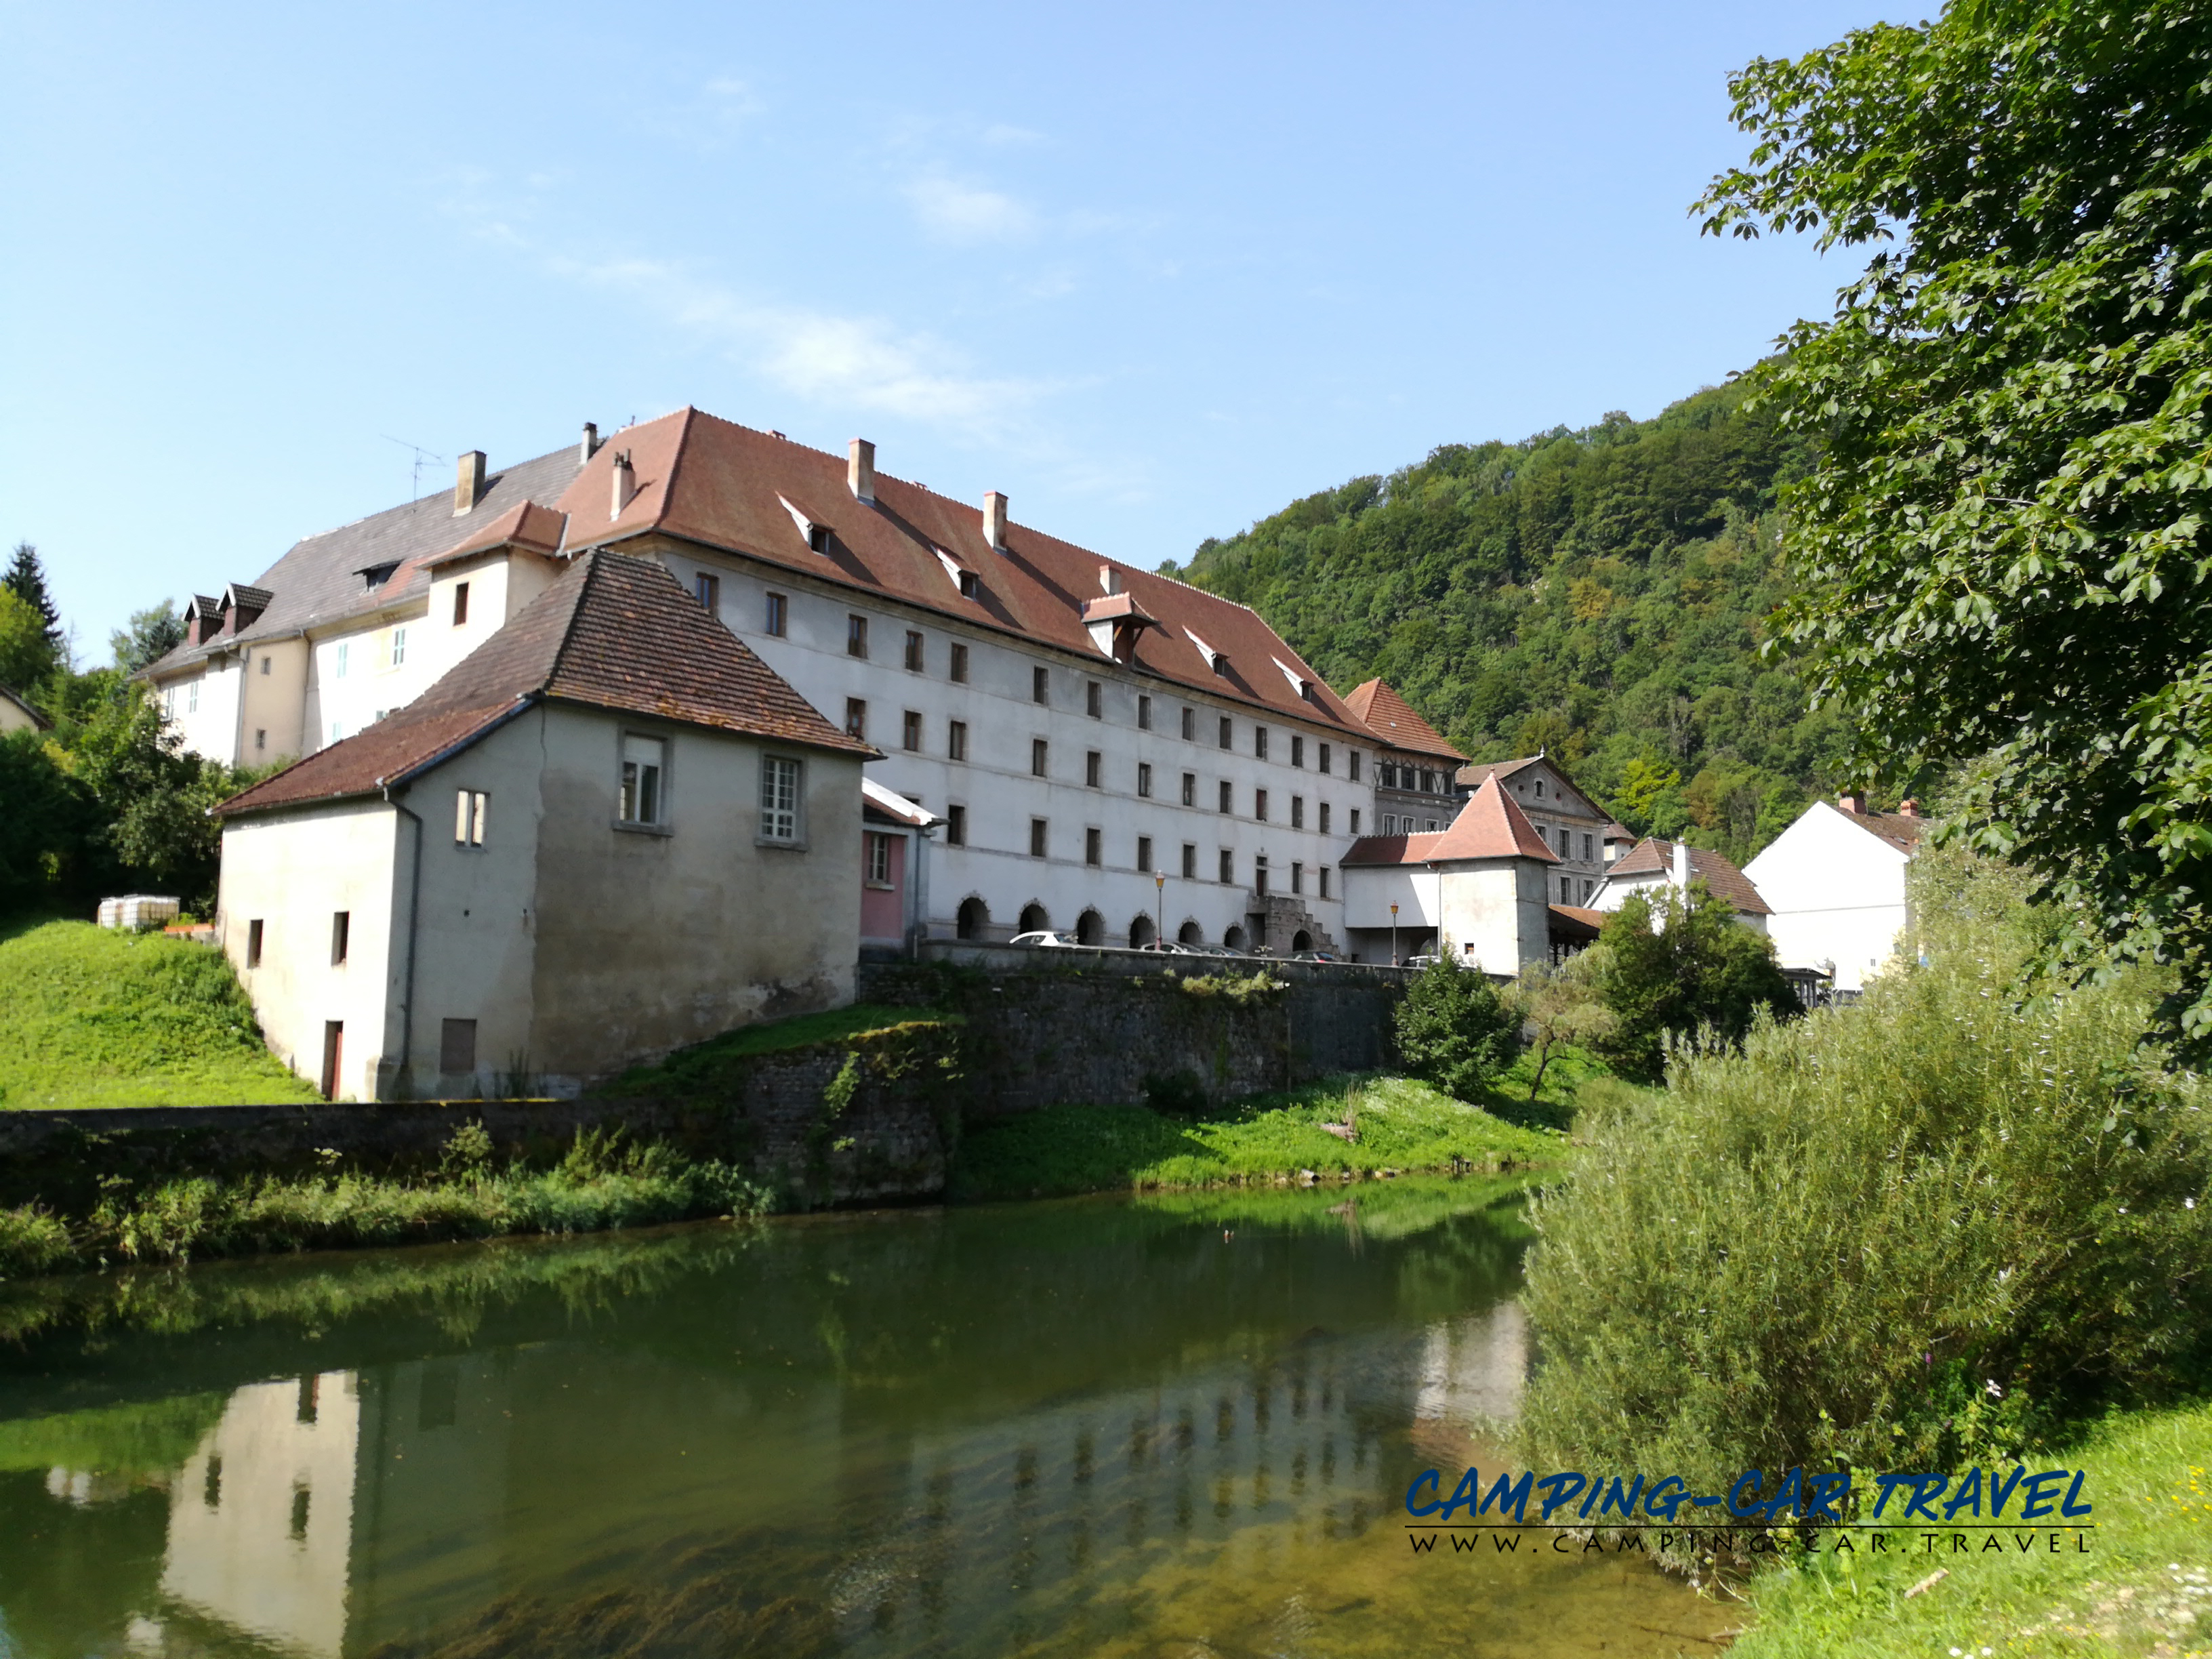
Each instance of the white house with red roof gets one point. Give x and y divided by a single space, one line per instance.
1655 862
1475 891
1835 880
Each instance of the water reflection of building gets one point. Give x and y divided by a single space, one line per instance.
1472 1369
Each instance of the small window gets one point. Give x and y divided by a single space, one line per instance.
778 800
1540 785
644 761
1355 820
1040 685
959 668
398 646
341 936
1228 867
1040 756
1190 725
1037 836
1144 713
879 860
1145 779
1189 861
1144 853
1297 812
1297 878
914 647
1587 885
1260 876
254 943
346 650
261 736
707 586
1323 873
956 740
1221 665
265 657
469 808
1094 699
1259 742
457 1045
856 636
1352 764
1324 824
192 697
1190 789
910 730
1566 845
856 717
169 702
1228 796
955 826
1228 733
1389 824
1260 805
1093 764
971 585
1094 847
1566 890
818 538
1297 750
1324 760
778 617
1588 849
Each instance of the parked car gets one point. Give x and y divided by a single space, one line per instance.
1316 956
1044 936
1427 960
1170 947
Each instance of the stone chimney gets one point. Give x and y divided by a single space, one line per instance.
860 471
625 483
1852 801
1682 866
589 447
1908 808
994 521
1109 579
468 482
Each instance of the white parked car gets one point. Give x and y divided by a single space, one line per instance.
1042 936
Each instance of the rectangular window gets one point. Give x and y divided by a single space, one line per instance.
1323 873
1038 834
856 636
1587 885
1297 878
1039 756
469 808
959 670
779 798
1228 796
1324 818
460 606
1190 789
1094 699
1260 876
1588 852
1351 765
879 860
1228 733
1297 750
1355 820
914 659
1228 867
856 717
956 740
1040 685
1093 846
253 944
1259 742
778 619
1145 779
398 646
457 1045
1189 861
1144 853
1566 845
1389 824
971 585
910 730
346 650
1093 763
265 657
706 588
818 538
1143 713
341 936
1190 725
169 702
1260 805
644 763
1566 890
955 826
193 697
1324 760
261 736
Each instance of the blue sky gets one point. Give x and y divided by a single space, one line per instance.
1153 271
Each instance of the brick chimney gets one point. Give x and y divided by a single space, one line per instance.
1852 801
1908 808
468 482
994 521
625 485
589 447
860 471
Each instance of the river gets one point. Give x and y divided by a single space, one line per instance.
1172 1426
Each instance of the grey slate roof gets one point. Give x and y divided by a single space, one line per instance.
319 582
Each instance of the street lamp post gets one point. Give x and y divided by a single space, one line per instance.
1160 910
1394 963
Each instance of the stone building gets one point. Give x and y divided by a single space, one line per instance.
1573 825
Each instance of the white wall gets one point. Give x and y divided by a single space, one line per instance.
1838 894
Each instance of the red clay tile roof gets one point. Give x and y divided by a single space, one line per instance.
1572 922
725 486
1652 856
1489 826
525 525
613 633
1902 830
1393 721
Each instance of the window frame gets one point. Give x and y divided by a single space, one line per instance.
706 588
1041 685
1144 855
910 729
460 614
1040 757
795 841
856 635
856 718
956 740
877 851
662 823
917 649
955 824
1190 860
957 667
1094 699
1094 847
1094 769
775 615
1143 780
1040 838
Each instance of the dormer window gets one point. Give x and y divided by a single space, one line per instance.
818 538
969 585
377 575
962 577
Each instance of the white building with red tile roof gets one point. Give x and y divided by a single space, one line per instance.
1836 881
1474 891
1656 862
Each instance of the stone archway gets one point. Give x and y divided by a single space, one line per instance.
1034 918
1234 939
1190 933
1141 932
1301 940
1089 928
973 917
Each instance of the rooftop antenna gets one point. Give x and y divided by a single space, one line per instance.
421 456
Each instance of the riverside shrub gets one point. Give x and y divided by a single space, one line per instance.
1454 1031
1672 968
1927 1228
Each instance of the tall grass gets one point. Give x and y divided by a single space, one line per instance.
1930 1227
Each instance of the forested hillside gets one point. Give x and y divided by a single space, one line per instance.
1599 593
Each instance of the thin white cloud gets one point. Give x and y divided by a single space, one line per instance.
954 212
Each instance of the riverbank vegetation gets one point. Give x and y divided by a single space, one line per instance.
92 1017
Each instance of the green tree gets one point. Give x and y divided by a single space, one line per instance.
43 833
27 658
2007 542
1677 967
27 580
1454 1029
1560 1007
151 635
153 799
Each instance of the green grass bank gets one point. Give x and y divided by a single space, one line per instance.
90 1017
